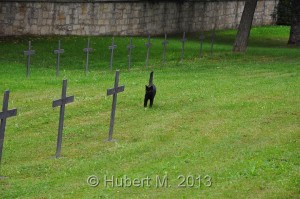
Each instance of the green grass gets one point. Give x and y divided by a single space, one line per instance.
233 117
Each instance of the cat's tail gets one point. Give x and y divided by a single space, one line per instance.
151 78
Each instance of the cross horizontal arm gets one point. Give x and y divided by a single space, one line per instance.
59 51
130 46
87 50
29 52
112 47
60 102
113 90
9 113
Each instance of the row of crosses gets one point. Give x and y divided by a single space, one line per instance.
112 47
61 103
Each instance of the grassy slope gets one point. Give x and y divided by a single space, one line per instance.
232 117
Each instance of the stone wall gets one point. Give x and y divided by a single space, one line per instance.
74 17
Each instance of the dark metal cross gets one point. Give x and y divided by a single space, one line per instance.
202 37
58 52
111 48
114 91
183 40
165 43
28 53
62 103
148 45
87 50
130 47
3 116
213 35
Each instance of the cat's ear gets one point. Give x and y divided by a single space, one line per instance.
151 87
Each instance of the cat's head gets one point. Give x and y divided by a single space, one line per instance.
149 88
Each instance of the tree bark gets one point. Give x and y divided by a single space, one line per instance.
241 39
295 25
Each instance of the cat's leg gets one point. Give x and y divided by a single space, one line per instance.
145 101
151 101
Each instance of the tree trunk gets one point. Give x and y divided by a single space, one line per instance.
241 39
295 26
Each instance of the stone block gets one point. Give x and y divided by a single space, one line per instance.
76 27
68 19
34 29
49 22
102 29
119 28
135 21
124 27
44 15
120 6
44 30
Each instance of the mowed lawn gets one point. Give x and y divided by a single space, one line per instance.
223 126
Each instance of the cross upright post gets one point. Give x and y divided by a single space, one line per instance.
62 103
212 41
87 50
58 52
114 91
130 47
3 116
28 53
213 34
183 40
148 45
202 37
111 48
165 43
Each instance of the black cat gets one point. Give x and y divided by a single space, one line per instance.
150 91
